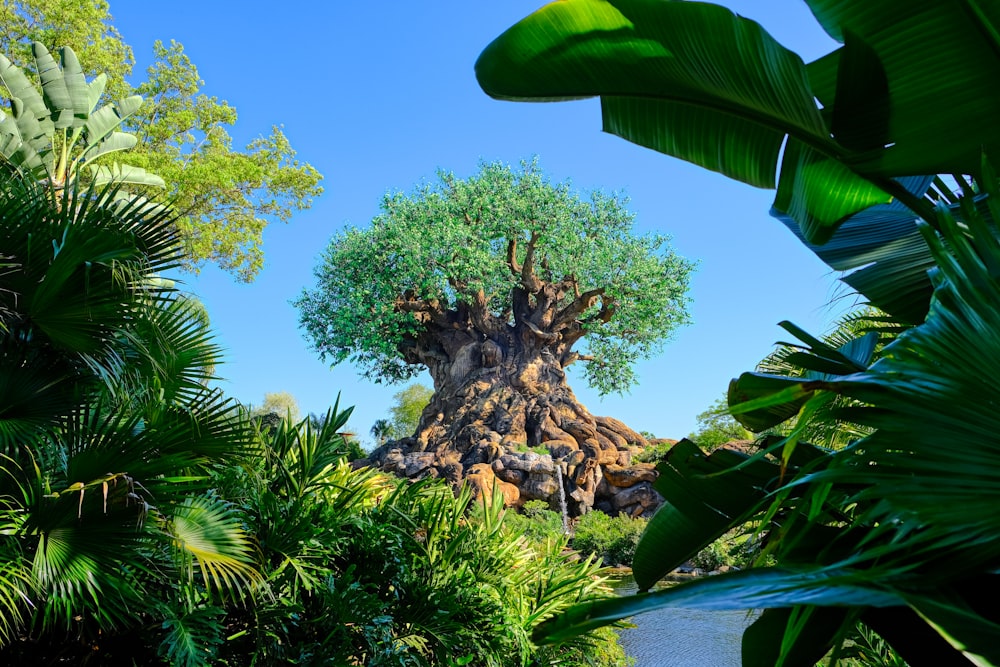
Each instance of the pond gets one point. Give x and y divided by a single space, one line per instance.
683 637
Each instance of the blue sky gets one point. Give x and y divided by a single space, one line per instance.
378 96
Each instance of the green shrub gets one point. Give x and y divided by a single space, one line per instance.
737 548
610 539
655 452
536 522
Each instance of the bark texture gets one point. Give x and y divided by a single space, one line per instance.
500 391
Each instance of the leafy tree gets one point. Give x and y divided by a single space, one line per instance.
490 283
897 529
281 403
716 427
408 404
227 195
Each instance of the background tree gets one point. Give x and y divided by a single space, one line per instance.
405 412
490 283
226 195
717 426
381 430
281 403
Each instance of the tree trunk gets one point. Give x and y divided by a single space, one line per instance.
500 390
497 398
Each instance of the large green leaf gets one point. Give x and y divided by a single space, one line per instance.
887 254
704 496
123 173
696 81
106 119
64 89
30 105
941 62
810 632
687 61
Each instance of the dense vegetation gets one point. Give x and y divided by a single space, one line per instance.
145 518
145 515
893 530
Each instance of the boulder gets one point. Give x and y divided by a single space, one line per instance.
417 463
642 494
482 482
623 477
539 487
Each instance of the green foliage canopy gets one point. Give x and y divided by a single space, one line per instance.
447 245
227 195
717 426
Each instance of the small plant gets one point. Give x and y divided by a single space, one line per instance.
537 522
612 539
736 549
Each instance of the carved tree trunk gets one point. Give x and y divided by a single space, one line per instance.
500 384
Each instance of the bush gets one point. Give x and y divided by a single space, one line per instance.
610 539
536 523
737 548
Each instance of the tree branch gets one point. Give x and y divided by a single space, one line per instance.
529 280
424 311
515 268
580 305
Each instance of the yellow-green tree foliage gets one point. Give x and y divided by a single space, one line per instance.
228 194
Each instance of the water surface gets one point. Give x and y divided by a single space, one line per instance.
683 637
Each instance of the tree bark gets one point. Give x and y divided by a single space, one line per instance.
500 382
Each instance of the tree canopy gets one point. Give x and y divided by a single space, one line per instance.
500 249
226 195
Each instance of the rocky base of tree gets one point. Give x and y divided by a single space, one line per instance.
580 479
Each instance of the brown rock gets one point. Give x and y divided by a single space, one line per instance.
623 477
581 431
642 493
620 442
561 449
612 424
539 487
417 463
483 483
529 462
511 476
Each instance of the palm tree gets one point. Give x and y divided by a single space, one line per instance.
107 430
381 430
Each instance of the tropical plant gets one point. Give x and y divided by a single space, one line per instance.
381 430
363 568
227 193
107 431
52 136
893 530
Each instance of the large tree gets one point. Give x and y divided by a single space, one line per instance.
492 283
226 195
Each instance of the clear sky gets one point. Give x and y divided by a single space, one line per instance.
378 96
